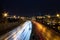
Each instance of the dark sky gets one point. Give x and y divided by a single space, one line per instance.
31 7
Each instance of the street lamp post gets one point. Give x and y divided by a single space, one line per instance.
5 15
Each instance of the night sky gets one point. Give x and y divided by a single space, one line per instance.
31 7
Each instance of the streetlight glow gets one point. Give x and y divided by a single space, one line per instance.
14 16
5 14
49 16
57 15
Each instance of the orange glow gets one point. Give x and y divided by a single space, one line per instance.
48 34
5 14
58 15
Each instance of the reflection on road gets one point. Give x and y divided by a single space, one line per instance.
47 33
20 33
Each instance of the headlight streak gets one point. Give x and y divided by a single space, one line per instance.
23 32
47 34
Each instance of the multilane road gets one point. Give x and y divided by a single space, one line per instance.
20 33
31 31
44 33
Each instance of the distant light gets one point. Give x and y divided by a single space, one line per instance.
39 17
44 17
23 18
58 27
57 15
48 23
18 16
49 16
14 16
59 22
5 14
53 23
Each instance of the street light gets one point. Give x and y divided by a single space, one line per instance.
5 14
14 16
57 15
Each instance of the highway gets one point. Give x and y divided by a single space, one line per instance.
44 33
31 31
22 32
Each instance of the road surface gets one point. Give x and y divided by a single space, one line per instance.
41 32
20 33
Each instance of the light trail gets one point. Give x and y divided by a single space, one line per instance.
22 32
47 33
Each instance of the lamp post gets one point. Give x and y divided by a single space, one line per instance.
5 15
